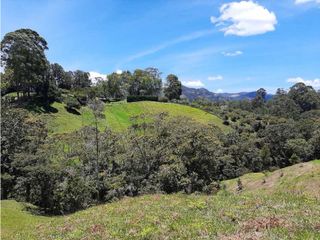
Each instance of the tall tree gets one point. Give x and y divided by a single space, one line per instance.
81 79
173 89
305 96
23 52
260 98
57 74
97 108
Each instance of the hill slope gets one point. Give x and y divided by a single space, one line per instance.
118 115
263 210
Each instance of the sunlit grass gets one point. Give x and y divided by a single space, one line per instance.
118 116
260 213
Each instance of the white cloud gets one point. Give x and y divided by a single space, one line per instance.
306 1
314 83
245 18
193 83
119 71
215 78
232 54
94 75
219 90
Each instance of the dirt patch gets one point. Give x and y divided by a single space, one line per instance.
243 236
254 229
261 224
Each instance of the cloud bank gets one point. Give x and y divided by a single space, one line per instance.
94 75
245 18
193 83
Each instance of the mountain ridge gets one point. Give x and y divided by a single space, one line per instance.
194 93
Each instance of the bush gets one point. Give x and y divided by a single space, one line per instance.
72 102
72 194
136 98
163 99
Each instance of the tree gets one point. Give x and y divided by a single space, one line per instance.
283 106
145 82
173 89
115 85
81 79
71 103
97 108
23 52
260 98
6 81
68 80
14 130
57 74
305 96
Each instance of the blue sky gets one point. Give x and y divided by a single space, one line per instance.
227 46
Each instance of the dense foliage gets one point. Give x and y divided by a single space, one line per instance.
67 172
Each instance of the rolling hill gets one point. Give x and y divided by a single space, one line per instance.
118 115
284 204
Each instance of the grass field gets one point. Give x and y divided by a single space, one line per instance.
118 115
266 209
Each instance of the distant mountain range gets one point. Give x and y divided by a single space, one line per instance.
193 93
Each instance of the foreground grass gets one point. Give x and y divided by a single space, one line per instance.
118 115
256 213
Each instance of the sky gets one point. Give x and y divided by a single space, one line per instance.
224 46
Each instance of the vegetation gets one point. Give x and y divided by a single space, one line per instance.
67 145
262 211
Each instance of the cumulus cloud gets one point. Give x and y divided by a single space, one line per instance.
119 71
94 75
314 83
215 78
219 90
306 1
245 18
193 83
232 54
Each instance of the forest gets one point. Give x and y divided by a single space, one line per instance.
63 173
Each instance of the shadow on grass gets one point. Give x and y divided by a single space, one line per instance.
37 105
72 110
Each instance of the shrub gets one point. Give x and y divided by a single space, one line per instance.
72 194
163 99
71 103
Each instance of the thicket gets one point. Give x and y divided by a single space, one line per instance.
62 174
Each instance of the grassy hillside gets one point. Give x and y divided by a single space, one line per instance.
286 205
118 115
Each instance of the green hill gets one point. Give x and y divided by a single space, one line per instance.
284 204
118 115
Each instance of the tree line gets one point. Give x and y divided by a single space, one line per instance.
27 71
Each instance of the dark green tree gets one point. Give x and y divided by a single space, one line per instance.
260 98
23 53
305 96
173 89
81 79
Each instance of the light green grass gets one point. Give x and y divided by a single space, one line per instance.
63 122
118 115
297 179
252 214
